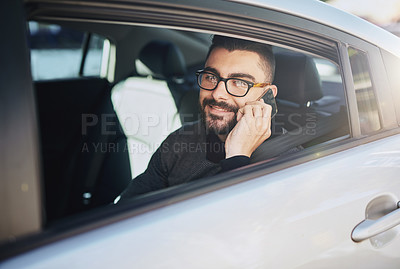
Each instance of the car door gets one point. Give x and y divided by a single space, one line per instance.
314 209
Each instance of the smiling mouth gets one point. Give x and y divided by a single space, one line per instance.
217 109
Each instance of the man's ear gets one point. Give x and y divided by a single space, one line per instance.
274 89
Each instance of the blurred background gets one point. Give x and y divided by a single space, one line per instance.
385 14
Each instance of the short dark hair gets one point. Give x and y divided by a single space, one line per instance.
263 50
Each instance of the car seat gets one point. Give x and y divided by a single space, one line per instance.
159 81
299 85
303 107
84 161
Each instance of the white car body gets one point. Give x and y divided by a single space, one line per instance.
309 226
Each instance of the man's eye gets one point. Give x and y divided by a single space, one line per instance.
240 83
211 78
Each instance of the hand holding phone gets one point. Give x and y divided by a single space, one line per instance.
253 127
270 100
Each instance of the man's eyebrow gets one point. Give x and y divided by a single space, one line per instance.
231 75
212 70
242 75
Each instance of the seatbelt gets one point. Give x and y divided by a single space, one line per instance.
93 170
96 162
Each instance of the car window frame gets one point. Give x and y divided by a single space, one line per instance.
380 86
20 155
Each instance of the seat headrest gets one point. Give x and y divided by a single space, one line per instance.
164 59
297 78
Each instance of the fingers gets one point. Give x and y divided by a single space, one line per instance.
252 129
256 116
255 109
258 111
267 111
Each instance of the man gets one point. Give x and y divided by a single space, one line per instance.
235 119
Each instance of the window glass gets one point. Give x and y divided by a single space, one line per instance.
312 101
392 64
57 52
93 60
331 85
366 101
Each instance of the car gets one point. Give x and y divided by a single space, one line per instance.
91 88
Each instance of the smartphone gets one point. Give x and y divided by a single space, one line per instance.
269 98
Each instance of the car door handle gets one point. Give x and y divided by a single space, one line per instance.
369 228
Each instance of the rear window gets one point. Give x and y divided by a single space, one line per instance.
392 64
60 52
366 101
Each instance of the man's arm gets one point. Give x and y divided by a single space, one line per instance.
234 162
154 178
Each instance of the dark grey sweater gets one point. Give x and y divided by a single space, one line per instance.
185 155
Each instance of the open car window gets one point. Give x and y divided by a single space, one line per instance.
110 131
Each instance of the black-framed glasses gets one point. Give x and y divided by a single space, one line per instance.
234 86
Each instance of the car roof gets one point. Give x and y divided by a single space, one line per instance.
334 18
326 15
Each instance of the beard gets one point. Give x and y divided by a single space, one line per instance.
218 124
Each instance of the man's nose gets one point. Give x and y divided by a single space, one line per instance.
220 92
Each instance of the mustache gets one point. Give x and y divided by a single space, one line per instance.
221 104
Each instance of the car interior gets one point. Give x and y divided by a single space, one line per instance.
90 151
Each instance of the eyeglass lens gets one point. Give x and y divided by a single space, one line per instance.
209 81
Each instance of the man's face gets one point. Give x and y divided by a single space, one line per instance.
218 107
